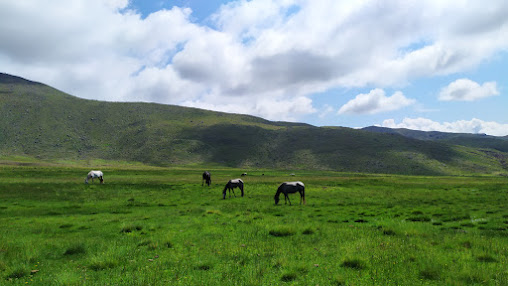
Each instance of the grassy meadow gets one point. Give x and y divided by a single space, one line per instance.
159 226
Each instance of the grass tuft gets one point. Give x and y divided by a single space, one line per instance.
356 264
281 232
17 273
419 219
204 267
102 265
430 274
308 231
75 249
131 228
485 258
388 231
288 277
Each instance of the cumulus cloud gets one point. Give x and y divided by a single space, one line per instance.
287 109
262 53
467 90
375 101
462 126
325 111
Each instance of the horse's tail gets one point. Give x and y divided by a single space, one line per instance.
303 195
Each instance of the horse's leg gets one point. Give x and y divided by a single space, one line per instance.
233 189
286 199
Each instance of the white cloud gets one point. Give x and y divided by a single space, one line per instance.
375 102
326 110
467 90
261 53
287 109
461 126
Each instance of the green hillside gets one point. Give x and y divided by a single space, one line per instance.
41 122
464 139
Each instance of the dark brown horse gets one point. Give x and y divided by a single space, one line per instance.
207 177
290 188
236 183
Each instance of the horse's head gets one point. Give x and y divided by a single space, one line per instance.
102 180
276 198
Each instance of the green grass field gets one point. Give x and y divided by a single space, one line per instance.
159 226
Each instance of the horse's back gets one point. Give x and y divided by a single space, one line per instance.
95 174
236 181
294 184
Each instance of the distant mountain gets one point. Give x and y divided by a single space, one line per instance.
42 122
463 139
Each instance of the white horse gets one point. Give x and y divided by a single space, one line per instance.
94 174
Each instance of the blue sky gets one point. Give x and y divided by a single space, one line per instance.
426 65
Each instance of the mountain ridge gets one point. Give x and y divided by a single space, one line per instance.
482 140
40 121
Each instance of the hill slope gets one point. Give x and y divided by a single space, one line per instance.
40 121
464 139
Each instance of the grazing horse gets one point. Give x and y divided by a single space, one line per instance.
290 188
207 177
236 183
94 174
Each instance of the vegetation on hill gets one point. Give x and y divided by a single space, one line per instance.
39 121
463 139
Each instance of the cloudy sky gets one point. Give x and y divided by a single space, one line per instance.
426 65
